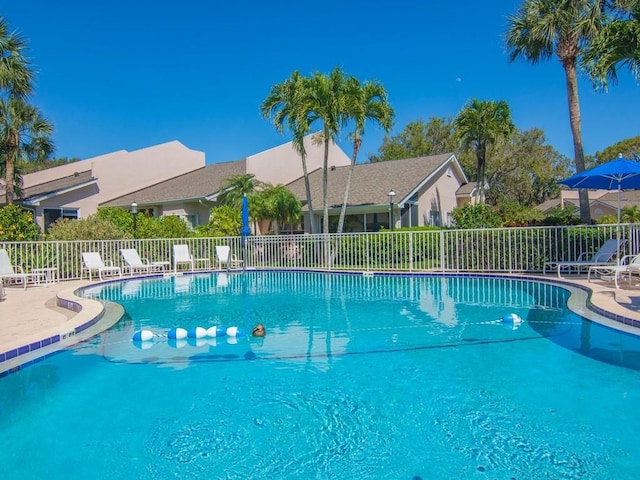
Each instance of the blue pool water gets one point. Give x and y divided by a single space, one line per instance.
357 378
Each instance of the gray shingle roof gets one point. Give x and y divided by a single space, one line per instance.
193 185
467 189
57 185
627 198
547 205
371 182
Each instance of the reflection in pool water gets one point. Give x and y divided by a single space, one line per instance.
357 377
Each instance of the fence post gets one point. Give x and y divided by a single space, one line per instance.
411 251
442 255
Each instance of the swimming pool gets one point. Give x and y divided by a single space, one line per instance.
357 377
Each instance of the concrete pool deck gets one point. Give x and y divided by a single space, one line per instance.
30 315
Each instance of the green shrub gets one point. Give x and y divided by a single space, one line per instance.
90 228
475 216
171 226
515 215
569 215
225 221
120 217
16 225
607 219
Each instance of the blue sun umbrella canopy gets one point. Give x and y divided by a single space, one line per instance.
619 174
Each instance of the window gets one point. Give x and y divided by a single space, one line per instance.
436 218
52 214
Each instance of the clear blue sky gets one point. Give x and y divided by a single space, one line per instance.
131 74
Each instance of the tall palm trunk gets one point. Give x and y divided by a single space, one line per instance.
12 154
9 190
356 147
325 185
482 161
307 187
576 130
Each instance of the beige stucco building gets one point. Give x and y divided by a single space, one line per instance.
166 179
412 192
171 179
75 190
601 202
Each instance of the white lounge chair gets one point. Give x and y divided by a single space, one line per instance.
93 262
629 264
135 264
225 258
9 273
603 257
182 256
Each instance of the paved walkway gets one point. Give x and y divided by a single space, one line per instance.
26 314
32 314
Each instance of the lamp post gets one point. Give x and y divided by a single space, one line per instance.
391 246
391 195
134 212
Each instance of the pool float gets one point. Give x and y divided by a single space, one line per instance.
143 336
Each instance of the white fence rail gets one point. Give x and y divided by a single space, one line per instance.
510 250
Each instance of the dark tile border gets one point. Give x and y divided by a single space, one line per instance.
47 341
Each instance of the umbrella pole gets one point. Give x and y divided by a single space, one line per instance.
618 227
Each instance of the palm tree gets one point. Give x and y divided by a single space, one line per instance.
281 205
630 214
542 28
367 101
18 171
616 44
235 187
479 125
285 104
16 82
24 136
16 76
327 103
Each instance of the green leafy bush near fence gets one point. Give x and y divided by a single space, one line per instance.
225 221
16 225
90 228
405 249
519 249
573 241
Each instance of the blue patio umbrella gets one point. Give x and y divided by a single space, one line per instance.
246 229
619 174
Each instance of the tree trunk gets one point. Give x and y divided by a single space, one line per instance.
356 147
325 193
307 187
482 160
576 130
9 191
12 154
